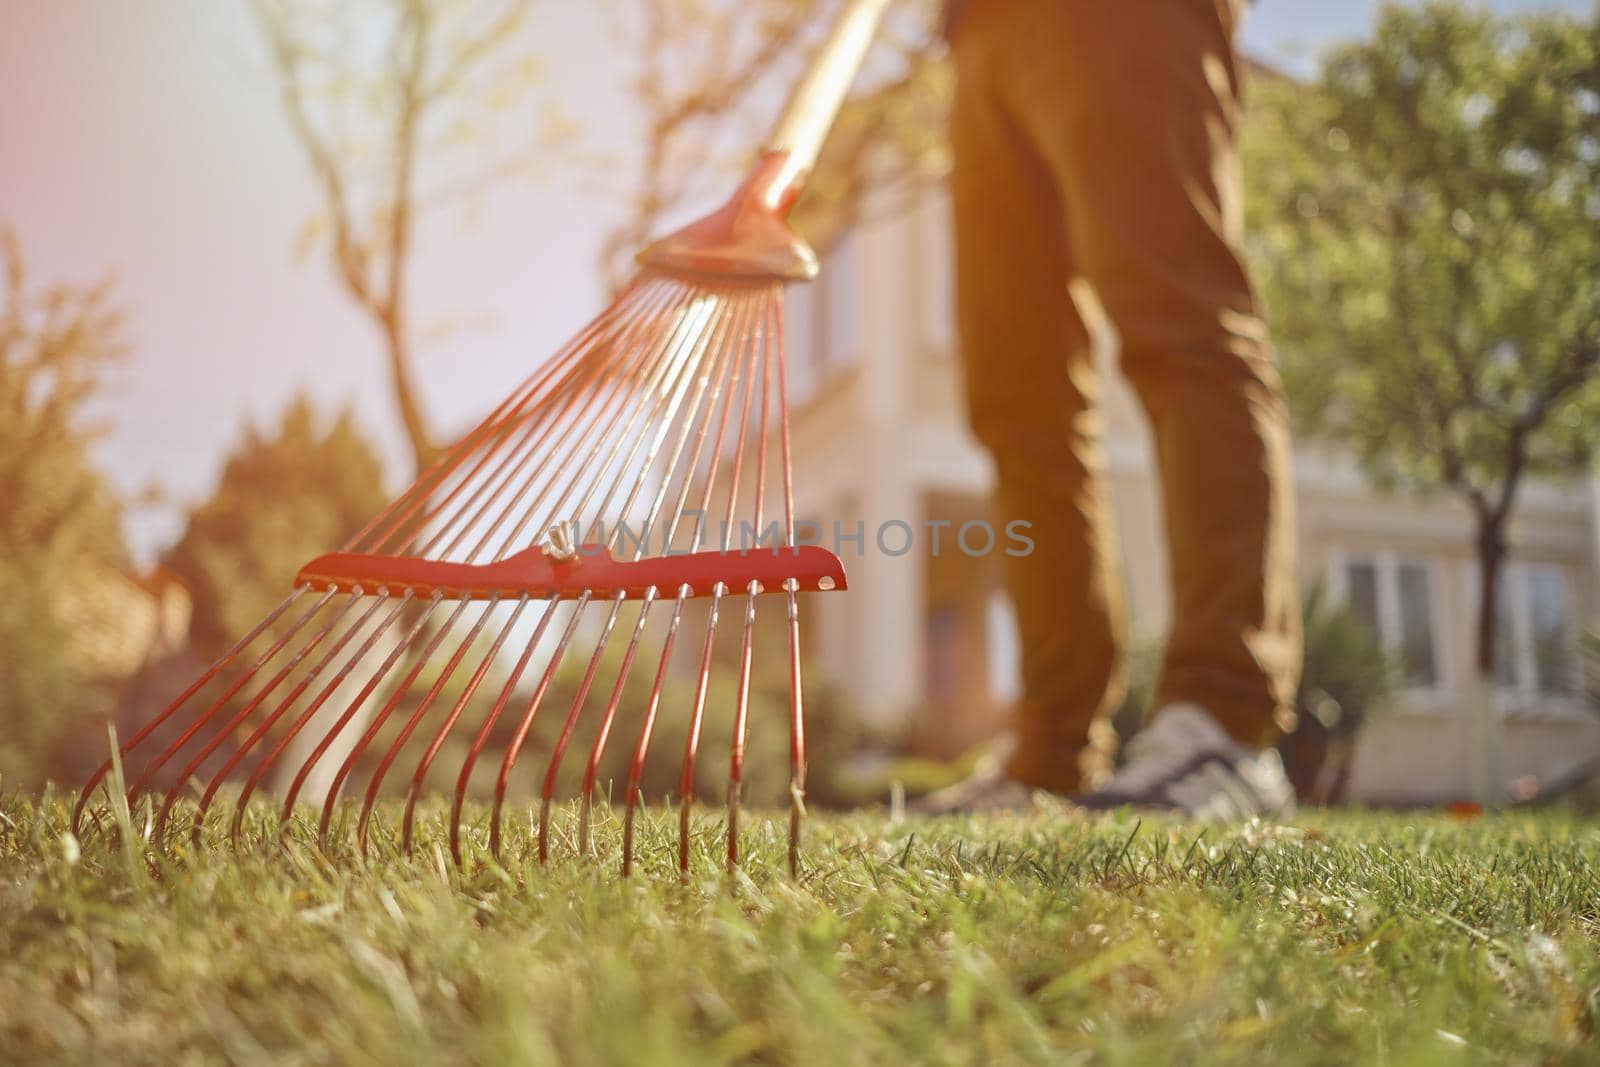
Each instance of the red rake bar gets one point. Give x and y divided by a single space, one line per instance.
541 572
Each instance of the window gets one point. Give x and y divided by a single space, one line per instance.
1005 659
1535 635
1395 597
1005 649
820 321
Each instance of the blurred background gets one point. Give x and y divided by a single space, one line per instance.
262 259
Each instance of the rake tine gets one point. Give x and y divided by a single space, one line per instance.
686 787
724 352
734 369
245 712
532 444
256 701
572 720
691 342
640 368
416 716
517 740
797 720
606 721
636 768
382 717
464 778
736 762
332 733
664 363
692 745
155 765
797 733
740 716
467 693
277 713
446 465
182 698
306 716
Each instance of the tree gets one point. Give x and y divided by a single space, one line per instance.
283 498
1426 225
711 74
371 90
60 525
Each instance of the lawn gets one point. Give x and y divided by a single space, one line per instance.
1051 937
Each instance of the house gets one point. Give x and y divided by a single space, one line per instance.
924 642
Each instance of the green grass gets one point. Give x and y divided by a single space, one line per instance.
1048 938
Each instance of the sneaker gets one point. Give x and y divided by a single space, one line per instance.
1185 762
986 789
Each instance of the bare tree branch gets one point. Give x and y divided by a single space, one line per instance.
437 63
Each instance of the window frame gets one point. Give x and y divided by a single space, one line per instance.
1433 696
1524 699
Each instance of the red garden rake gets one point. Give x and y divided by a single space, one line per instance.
590 487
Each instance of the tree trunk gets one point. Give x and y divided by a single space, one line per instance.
405 397
1484 746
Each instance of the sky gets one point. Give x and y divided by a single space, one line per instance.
143 139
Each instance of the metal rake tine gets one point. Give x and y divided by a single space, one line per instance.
536 437
724 353
741 436
179 701
696 717
421 773
663 366
694 343
278 712
606 720
416 717
733 373
464 777
447 464
797 720
245 712
572 721
740 718
382 717
600 416
154 766
764 332
331 734
646 727
797 732
736 762
256 701
515 749
306 716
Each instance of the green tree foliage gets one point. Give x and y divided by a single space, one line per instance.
284 496
1347 678
59 521
1426 225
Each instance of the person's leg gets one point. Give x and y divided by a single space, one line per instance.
1031 387
1134 104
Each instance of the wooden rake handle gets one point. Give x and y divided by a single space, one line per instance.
816 100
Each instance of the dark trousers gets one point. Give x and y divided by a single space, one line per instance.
1094 140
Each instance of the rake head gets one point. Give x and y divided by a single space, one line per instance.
641 478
